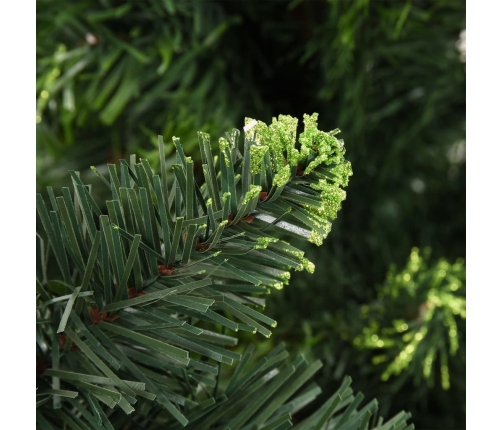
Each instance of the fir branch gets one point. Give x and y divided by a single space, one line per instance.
142 324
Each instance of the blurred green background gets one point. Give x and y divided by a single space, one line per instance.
113 74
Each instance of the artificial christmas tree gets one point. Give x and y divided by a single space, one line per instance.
135 307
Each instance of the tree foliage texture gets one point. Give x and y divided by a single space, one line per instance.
113 74
135 319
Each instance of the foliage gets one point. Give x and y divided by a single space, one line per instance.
391 75
136 319
115 64
431 303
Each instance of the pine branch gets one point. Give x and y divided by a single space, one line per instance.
146 287
417 324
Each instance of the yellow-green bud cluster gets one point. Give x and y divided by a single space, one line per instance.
224 145
328 148
280 137
252 193
257 154
282 177
332 196
308 265
316 238
342 172
284 132
263 243
203 135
